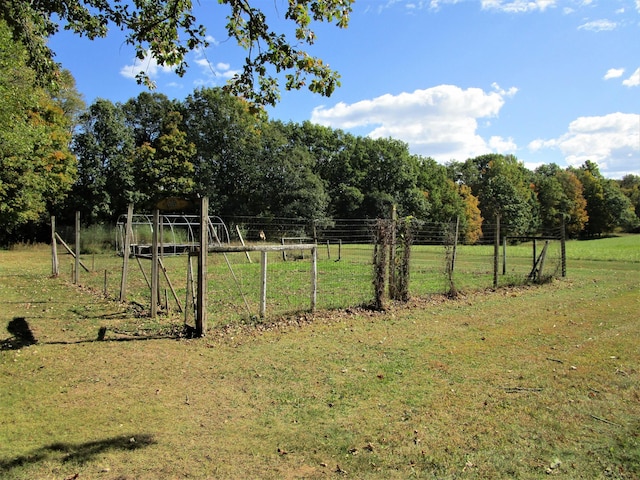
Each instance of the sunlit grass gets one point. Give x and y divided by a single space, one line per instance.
522 382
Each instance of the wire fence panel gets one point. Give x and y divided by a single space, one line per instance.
438 264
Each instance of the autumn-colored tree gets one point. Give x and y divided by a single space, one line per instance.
608 208
560 198
472 227
573 204
36 167
503 187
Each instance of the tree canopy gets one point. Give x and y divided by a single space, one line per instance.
36 166
169 29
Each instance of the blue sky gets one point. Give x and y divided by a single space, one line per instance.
546 80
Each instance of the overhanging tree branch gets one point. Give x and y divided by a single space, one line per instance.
168 30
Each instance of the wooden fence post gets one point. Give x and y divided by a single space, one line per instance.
263 284
504 255
76 273
125 254
563 250
314 278
154 263
201 313
55 265
496 252
392 283
455 244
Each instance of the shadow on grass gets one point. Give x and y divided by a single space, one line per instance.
77 452
22 336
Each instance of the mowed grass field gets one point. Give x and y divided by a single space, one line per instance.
522 382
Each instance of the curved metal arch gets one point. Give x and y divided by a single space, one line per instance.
217 232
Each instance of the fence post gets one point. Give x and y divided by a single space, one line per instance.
393 287
201 313
496 252
563 251
154 263
76 273
125 254
455 244
263 284
55 265
314 278
504 255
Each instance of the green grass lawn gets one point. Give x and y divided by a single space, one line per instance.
522 382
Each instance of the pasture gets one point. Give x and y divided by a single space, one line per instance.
522 382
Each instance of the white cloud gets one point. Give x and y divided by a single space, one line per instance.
599 25
435 4
612 141
440 122
502 145
517 6
614 73
633 80
148 65
210 74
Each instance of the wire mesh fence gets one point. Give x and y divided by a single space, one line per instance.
345 266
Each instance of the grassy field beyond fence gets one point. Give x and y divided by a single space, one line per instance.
522 382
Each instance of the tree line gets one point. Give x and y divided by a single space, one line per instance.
59 156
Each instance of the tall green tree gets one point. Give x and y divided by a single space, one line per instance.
71 102
503 187
332 151
168 30
445 203
374 175
146 114
104 146
164 167
36 166
227 139
560 200
608 208
289 186
630 186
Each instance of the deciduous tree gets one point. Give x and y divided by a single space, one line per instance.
104 146
503 186
36 166
164 167
168 30
608 208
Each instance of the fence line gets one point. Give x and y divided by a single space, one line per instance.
345 249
